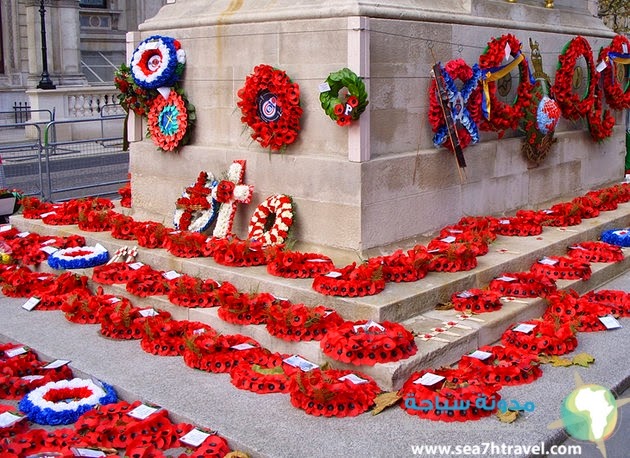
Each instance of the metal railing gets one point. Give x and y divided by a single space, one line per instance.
60 160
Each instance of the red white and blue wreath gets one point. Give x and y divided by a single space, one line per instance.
64 401
619 237
78 257
464 104
196 210
157 62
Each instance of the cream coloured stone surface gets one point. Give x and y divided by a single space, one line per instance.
408 187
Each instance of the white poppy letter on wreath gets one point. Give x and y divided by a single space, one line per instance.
229 193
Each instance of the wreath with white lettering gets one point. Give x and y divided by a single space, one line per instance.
343 106
196 210
615 55
574 106
270 105
272 220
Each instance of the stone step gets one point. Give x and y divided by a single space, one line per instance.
399 301
507 254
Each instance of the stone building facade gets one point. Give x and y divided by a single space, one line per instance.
85 42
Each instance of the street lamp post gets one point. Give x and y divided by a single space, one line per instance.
45 82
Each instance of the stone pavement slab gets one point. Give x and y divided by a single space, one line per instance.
269 426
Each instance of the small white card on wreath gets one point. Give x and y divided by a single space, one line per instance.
525 328
304 364
89 452
56 363
610 322
195 437
9 418
15 351
429 379
31 303
143 411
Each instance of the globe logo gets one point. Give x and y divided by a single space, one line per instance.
589 413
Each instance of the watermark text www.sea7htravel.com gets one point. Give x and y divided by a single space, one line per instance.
493 448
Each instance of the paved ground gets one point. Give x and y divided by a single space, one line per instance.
268 426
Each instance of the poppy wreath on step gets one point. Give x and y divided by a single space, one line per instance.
272 220
17 381
452 257
146 282
506 366
188 291
210 352
150 234
64 401
95 220
213 445
449 395
242 308
163 336
297 322
185 244
33 207
367 343
270 377
563 307
404 267
473 241
78 257
295 264
590 251
333 393
619 237
270 106
477 300
501 116
562 215
562 268
617 302
617 57
347 106
465 104
12 430
541 336
589 206
116 272
123 227
66 284
574 106
523 284
351 281
234 252
120 321
78 308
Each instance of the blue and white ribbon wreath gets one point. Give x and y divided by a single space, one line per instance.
157 62
619 237
457 101
78 257
66 411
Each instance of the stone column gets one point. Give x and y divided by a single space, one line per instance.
62 34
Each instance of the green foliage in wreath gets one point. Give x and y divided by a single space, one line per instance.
340 106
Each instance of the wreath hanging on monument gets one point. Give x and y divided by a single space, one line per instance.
158 62
343 106
171 120
600 122
465 104
196 210
616 57
270 106
500 116
574 106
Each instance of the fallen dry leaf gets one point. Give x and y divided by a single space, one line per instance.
385 400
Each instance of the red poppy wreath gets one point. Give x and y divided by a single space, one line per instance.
502 116
572 105
616 57
270 105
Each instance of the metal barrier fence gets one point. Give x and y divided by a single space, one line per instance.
66 159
